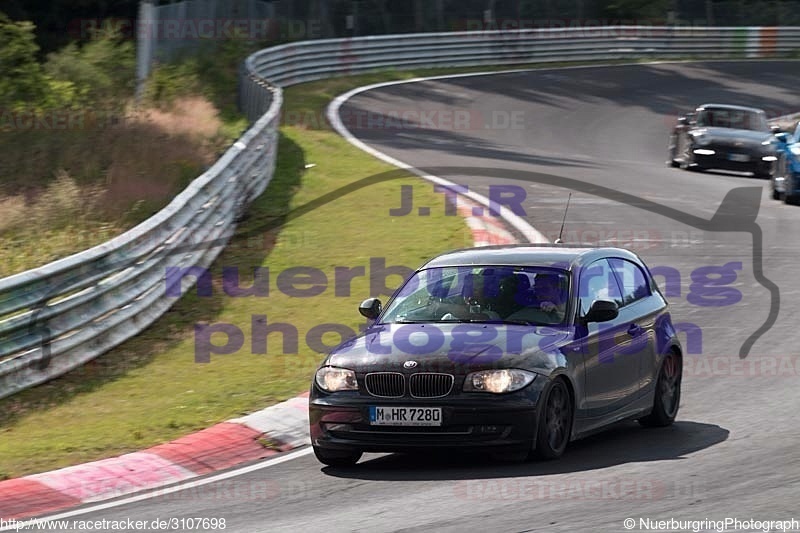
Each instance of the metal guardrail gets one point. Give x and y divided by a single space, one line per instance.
61 315
312 60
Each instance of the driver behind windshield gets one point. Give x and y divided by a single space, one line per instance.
549 293
507 295
483 294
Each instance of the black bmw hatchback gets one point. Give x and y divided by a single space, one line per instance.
514 349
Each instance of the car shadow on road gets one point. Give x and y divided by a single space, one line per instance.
623 443
729 174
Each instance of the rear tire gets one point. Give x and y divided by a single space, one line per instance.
788 184
555 422
668 393
336 458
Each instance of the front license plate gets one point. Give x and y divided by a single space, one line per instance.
739 157
405 416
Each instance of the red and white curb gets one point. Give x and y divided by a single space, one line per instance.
256 436
486 230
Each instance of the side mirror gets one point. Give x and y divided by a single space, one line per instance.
370 308
783 137
602 311
682 121
775 128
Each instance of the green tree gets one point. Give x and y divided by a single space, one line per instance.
101 71
22 83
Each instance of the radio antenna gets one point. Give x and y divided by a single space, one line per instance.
564 221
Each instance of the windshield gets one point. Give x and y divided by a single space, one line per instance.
716 117
526 295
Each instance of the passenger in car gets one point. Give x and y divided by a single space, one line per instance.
549 294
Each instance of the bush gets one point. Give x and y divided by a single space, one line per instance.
170 81
101 71
211 71
22 83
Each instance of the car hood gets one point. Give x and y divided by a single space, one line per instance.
747 136
457 348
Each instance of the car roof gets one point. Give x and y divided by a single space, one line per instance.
565 255
730 106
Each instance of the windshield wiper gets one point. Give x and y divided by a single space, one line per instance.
491 321
511 321
463 321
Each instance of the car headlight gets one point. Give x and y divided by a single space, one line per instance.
332 379
795 149
498 381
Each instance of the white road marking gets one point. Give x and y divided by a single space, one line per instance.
520 224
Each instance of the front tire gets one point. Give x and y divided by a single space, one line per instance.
779 175
688 162
336 458
668 393
555 422
673 152
777 172
788 188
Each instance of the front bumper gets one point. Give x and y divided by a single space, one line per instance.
501 423
722 159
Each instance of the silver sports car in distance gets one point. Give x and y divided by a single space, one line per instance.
725 137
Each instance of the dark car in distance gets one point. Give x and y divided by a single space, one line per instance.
516 350
725 137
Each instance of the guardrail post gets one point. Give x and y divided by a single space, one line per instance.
145 36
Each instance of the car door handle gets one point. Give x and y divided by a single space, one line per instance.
634 329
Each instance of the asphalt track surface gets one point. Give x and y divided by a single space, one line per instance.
733 452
